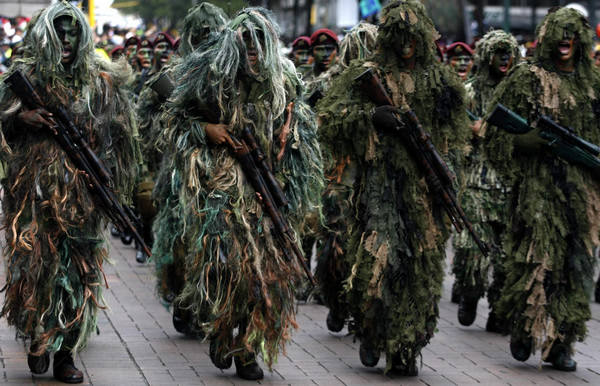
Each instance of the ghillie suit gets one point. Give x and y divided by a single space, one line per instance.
200 21
484 196
397 229
338 198
234 268
554 212
54 244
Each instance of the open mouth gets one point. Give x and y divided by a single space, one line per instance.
503 67
252 56
564 47
67 52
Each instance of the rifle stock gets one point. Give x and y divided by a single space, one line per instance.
418 142
76 147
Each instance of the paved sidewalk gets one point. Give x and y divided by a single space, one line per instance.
138 346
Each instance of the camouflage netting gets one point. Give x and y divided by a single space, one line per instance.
332 269
54 245
201 20
234 267
485 194
554 210
397 231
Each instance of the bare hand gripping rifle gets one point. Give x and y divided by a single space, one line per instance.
254 164
75 145
418 142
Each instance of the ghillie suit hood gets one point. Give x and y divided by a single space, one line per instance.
358 43
198 19
487 47
44 48
550 33
407 19
222 62
235 272
554 212
53 225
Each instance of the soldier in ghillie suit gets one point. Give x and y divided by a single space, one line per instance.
169 253
397 229
54 244
332 267
301 55
324 46
554 213
460 57
235 269
485 195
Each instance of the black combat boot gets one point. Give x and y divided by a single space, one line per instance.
64 368
560 357
369 356
467 310
220 361
334 322
496 324
520 349
38 364
247 368
408 369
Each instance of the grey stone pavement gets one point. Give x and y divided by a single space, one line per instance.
137 345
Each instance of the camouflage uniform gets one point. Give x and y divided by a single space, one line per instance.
484 196
553 205
397 229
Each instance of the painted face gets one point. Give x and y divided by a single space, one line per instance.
198 37
301 56
325 55
462 65
68 33
596 59
405 48
131 53
252 50
564 54
162 53
501 62
144 56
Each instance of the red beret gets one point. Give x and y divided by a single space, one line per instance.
118 50
164 37
132 41
323 31
458 48
302 41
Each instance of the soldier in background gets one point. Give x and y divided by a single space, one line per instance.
459 56
301 55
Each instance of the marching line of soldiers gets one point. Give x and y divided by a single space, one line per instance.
230 164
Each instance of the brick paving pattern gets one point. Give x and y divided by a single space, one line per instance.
137 345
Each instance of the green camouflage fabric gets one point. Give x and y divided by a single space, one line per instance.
397 230
554 210
168 255
340 177
484 196
55 247
234 268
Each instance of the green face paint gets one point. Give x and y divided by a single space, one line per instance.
501 62
462 65
162 54
68 33
145 57
324 55
301 56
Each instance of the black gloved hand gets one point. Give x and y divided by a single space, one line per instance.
385 118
